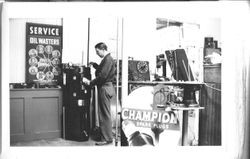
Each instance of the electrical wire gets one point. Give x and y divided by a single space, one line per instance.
212 87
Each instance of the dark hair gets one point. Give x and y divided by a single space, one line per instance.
101 46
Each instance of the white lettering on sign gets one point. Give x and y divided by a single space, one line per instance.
44 41
44 31
154 116
125 114
48 41
161 126
138 116
149 116
146 116
33 40
44 63
143 124
165 118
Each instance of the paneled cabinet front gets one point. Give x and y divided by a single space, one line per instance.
35 114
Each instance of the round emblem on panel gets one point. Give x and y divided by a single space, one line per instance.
159 97
40 76
49 76
56 54
48 49
33 61
40 49
56 71
33 70
142 66
55 61
33 53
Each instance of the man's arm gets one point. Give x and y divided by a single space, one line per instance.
104 71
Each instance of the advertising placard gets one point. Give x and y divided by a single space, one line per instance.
166 120
43 53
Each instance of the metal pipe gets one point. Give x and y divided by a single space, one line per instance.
117 84
64 129
186 71
88 41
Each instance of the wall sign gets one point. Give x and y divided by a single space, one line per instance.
43 53
151 118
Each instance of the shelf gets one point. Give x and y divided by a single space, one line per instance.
187 108
33 89
212 65
181 107
166 82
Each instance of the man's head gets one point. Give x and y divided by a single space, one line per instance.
101 49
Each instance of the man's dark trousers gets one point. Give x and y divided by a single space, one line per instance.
105 93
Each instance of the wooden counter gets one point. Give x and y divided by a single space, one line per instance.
35 114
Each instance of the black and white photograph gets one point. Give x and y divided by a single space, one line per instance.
64 99
180 75
125 79
56 97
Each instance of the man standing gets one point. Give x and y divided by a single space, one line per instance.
105 75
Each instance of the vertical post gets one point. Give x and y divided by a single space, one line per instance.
88 41
117 84
188 66
0 99
91 91
1 7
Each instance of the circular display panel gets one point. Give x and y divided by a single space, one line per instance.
43 63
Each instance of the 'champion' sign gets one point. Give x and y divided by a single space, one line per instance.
151 118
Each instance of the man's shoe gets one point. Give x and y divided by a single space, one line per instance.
101 143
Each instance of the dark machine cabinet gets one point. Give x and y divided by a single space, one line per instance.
76 103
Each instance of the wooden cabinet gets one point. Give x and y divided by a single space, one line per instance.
35 114
210 117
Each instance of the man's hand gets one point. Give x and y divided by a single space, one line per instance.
95 65
86 81
91 63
